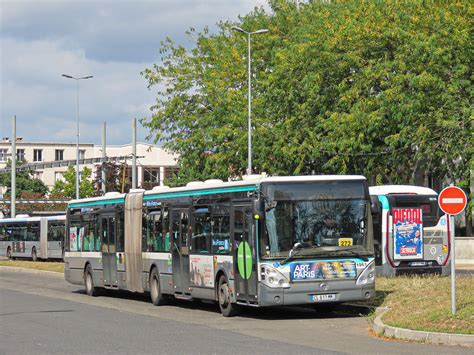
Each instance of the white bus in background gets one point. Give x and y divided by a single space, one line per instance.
32 237
410 234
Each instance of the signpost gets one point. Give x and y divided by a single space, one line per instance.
452 201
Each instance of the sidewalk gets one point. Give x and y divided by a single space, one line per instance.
464 266
382 329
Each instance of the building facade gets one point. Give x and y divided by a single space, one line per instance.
154 164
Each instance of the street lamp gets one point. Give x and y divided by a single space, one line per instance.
249 168
77 128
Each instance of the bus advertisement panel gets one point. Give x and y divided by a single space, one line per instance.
408 233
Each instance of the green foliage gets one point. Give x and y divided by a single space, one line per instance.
378 88
24 182
113 177
67 186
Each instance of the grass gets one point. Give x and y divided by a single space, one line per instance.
424 303
36 265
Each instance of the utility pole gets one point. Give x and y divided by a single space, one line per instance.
13 176
134 153
77 126
104 155
249 94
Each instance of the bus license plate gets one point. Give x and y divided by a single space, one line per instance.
418 263
345 242
326 297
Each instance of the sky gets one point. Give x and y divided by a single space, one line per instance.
113 40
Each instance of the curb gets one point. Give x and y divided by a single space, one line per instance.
380 328
58 275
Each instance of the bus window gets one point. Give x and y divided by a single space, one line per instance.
153 239
3 234
75 233
220 229
19 232
33 233
55 232
120 231
97 233
202 230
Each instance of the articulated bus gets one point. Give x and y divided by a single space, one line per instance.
410 234
261 241
32 237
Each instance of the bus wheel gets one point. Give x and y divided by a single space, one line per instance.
34 257
157 298
91 290
9 253
223 294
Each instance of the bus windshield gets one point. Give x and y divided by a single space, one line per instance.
323 218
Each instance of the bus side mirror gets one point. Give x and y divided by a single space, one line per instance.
374 205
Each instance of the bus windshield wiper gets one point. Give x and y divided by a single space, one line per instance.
293 252
297 250
363 255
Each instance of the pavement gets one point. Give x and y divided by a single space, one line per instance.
41 313
382 329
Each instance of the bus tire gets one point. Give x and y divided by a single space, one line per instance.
157 298
9 253
228 309
91 290
34 256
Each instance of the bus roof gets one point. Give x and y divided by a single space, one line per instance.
247 184
61 217
400 189
20 219
107 197
252 180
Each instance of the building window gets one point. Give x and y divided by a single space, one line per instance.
82 154
59 154
20 154
58 176
151 175
38 155
38 175
3 155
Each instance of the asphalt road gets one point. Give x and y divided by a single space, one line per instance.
41 313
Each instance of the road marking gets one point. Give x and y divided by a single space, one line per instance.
453 200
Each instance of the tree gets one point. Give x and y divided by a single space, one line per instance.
382 89
67 186
112 177
24 182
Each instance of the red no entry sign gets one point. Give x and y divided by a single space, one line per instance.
452 200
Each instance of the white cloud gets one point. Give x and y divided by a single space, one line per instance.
35 91
112 40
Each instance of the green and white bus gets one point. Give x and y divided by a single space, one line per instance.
32 237
261 241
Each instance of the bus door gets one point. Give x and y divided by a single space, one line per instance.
109 258
180 250
244 254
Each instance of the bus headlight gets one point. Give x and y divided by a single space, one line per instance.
368 275
273 278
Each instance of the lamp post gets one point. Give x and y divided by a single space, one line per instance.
249 167
77 128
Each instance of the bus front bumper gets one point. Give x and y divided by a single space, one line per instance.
308 293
